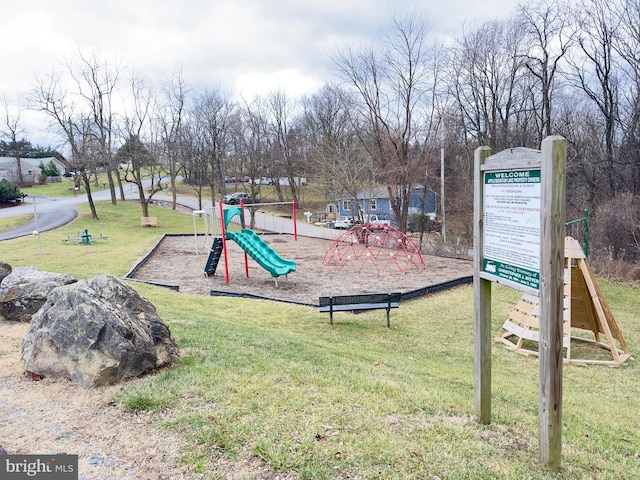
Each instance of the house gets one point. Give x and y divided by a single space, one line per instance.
30 168
376 201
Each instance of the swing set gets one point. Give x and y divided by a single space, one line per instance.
252 244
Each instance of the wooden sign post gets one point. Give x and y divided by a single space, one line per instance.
519 215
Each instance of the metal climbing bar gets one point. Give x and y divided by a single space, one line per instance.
580 228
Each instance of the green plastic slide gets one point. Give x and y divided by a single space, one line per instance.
261 252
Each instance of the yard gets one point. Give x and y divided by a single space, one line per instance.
270 390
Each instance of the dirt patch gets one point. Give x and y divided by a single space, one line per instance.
50 417
180 261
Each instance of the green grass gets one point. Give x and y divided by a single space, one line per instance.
271 384
10 223
127 241
64 188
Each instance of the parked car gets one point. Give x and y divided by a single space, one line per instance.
343 223
374 219
234 198
262 181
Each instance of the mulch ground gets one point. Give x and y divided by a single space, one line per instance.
181 260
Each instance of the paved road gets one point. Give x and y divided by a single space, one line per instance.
54 212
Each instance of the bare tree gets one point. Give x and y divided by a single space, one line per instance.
13 132
142 167
594 72
579 121
392 84
252 145
96 81
627 13
285 162
547 25
80 106
52 97
171 121
196 165
327 131
213 111
487 85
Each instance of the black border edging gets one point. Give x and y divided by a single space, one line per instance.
410 295
145 259
438 287
170 286
221 293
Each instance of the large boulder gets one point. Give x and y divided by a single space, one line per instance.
25 290
5 270
97 332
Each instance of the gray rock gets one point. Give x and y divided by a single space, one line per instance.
25 290
97 332
5 270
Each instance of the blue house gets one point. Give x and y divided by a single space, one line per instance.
376 201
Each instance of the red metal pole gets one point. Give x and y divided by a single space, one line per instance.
295 228
224 245
246 259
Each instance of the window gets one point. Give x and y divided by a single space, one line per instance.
373 203
346 205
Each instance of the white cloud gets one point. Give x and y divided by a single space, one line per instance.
293 82
243 46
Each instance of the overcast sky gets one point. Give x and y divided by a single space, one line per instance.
248 47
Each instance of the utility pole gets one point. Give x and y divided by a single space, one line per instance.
444 225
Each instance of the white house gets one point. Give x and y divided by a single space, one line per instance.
30 168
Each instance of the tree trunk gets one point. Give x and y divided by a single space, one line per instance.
112 187
87 185
144 203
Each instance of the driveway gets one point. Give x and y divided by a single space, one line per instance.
49 213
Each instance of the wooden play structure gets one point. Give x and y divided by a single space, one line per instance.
587 318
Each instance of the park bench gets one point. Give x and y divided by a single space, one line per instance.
359 302
149 221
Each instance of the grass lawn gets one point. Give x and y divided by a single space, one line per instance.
273 382
10 223
64 188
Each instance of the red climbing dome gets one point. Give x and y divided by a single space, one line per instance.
375 245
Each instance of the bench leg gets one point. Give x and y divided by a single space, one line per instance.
330 310
388 318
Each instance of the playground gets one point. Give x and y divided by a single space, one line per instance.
180 261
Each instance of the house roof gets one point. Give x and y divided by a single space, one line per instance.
29 162
8 165
373 192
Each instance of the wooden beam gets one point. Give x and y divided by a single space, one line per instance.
482 301
552 217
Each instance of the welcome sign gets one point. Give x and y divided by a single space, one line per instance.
511 242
